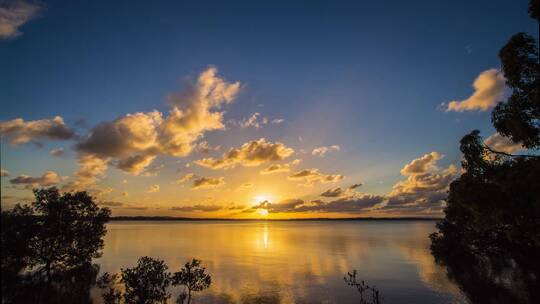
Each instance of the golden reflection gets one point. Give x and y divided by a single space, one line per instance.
303 262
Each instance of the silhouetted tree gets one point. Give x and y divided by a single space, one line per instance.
193 277
490 236
111 294
519 117
147 282
368 294
48 246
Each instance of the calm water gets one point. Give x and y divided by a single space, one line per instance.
291 262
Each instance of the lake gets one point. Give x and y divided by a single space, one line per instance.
290 261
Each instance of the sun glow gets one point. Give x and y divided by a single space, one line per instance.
263 212
261 198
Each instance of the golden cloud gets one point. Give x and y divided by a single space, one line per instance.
252 153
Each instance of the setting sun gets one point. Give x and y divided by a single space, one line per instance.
263 212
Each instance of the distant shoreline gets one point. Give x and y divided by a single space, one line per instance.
172 218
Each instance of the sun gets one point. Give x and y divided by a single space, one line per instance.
261 198
263 212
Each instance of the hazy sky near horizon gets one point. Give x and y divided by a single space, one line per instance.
243 108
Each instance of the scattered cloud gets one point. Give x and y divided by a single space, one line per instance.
204 147
60 152
488 90
278 120
135 140
252 153
111 204
425 187
207 182
423 164
321 151
153 189
198 208
313 175
187 177
342 205
49 178
14 14
339 192
255 120
500 143
277 168
4 172
18 131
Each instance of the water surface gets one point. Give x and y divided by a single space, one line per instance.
290 262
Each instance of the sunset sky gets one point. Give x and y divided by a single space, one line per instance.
249 110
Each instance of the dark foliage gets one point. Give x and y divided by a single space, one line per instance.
490 236
48 246
147 282
519 117
193 277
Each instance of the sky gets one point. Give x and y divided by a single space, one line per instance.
243 109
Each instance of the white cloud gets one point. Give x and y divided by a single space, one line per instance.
4 172
321 151
488 90
60 152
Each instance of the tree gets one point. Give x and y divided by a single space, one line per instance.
55 239
70 230
519 117
147 282
490 236
108 282
193 277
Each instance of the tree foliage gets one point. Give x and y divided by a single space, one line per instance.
193 277
147 282
490 236
48 247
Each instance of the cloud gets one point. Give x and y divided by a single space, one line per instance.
425 187
4 172
15 14
255 120
421 165
198 208
185 178
60 152
246 186
207 182
338 192
277 168
152 171
500 143
153 189
488 90
132 142
321 151
90 169
111 204
18 131
204 147
278 120
252 153
49 178
313 175
342 205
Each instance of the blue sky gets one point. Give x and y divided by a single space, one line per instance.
368 76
